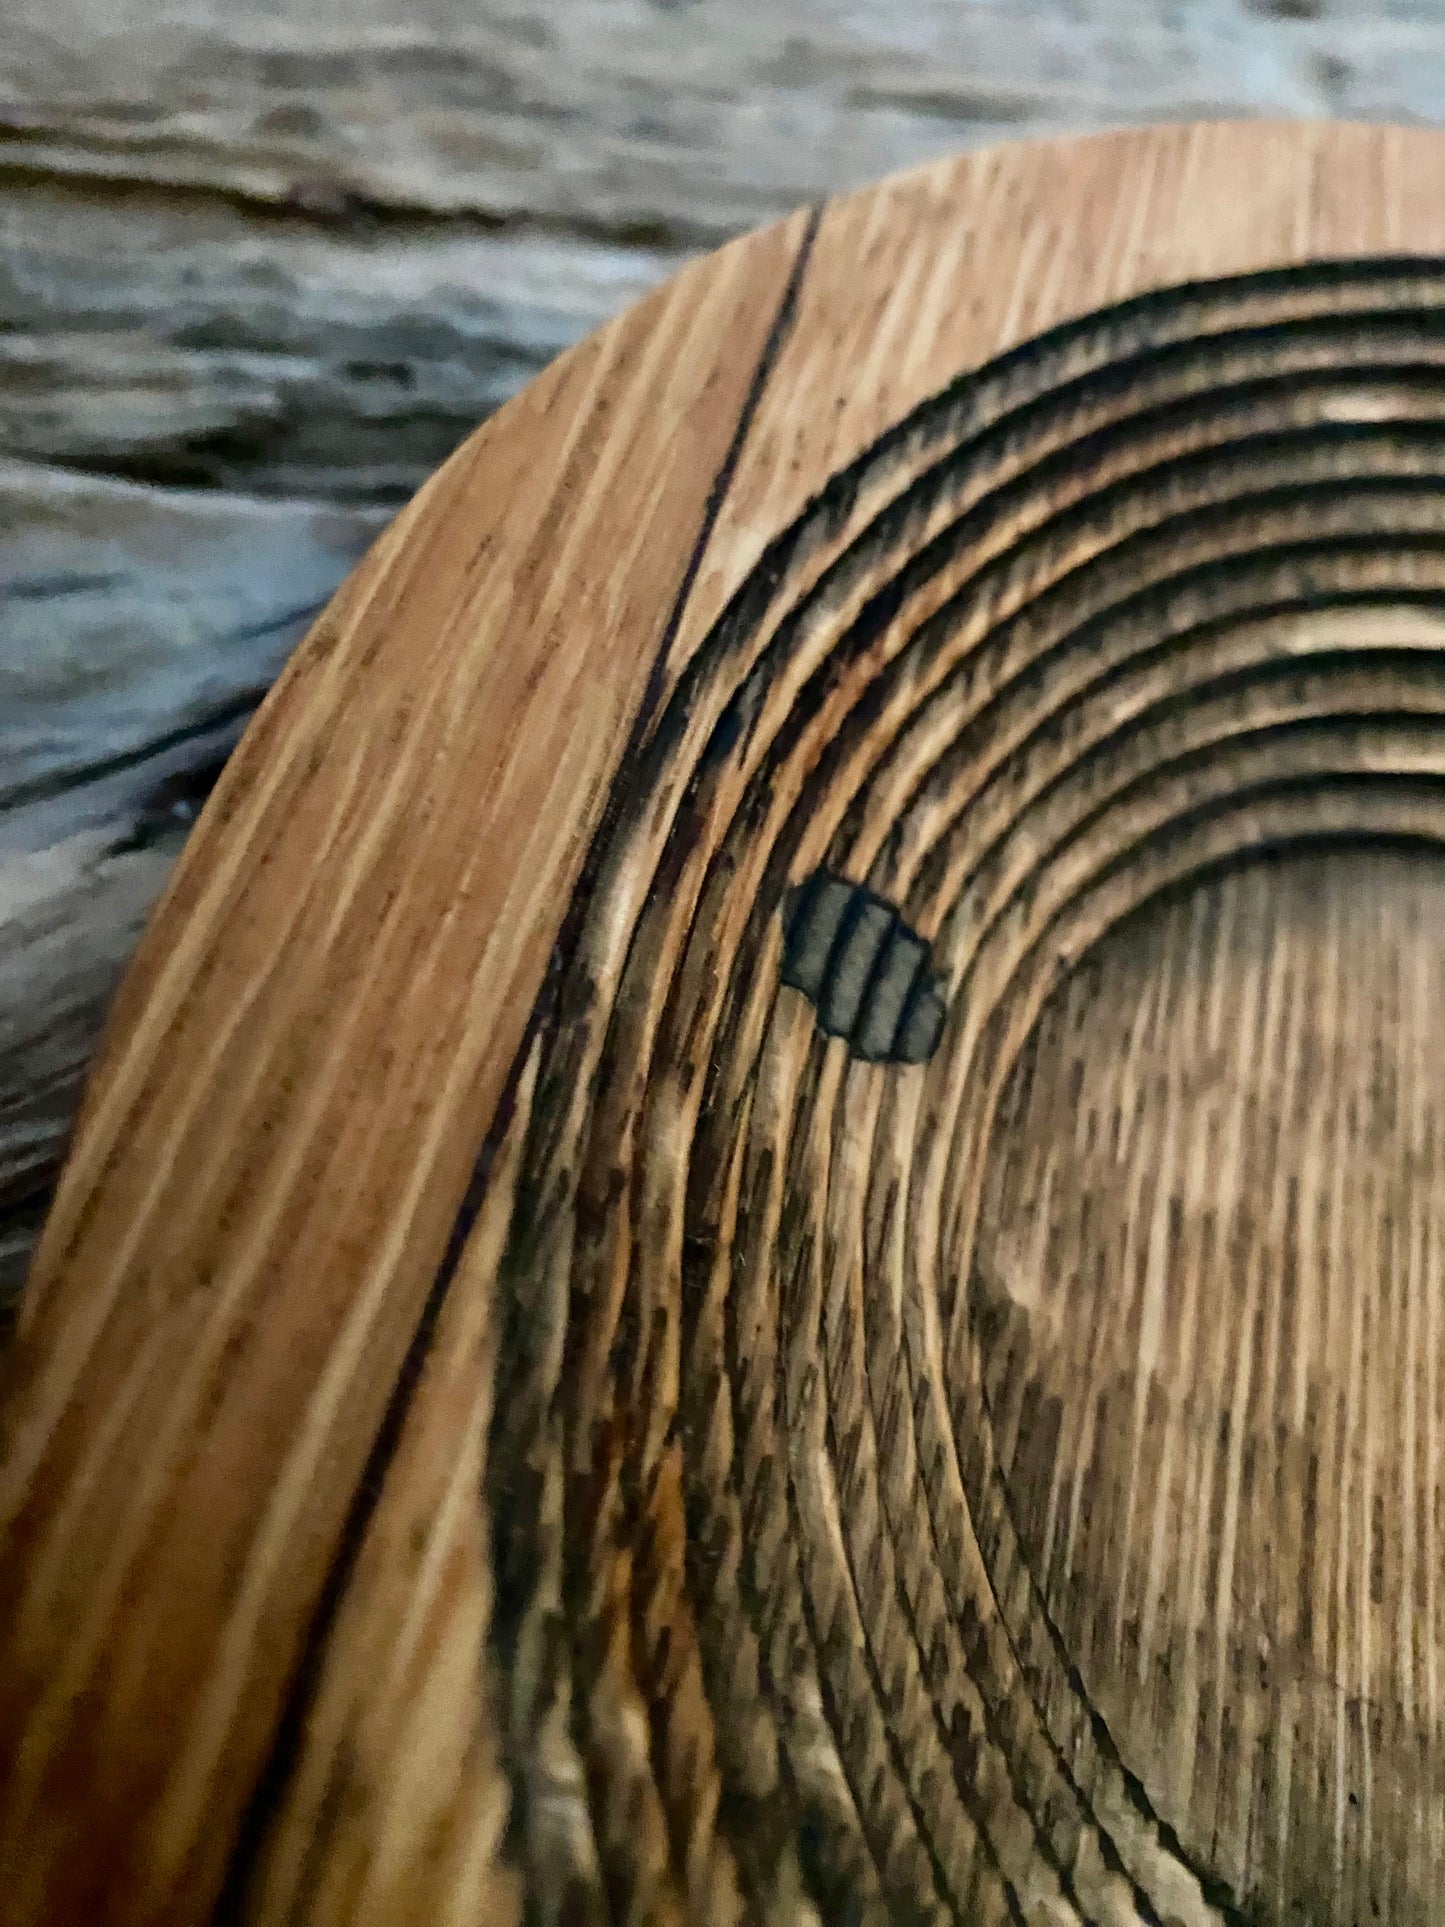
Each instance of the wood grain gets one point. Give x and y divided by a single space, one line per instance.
592 1446
1230 1117
270 252
375 741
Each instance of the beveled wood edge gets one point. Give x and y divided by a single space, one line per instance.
409 697
1271 194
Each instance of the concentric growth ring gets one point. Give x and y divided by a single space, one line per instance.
1158 590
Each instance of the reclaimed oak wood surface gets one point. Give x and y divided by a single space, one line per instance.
263 264
590 1436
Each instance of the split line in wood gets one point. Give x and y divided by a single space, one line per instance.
513 1419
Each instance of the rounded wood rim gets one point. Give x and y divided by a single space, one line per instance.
246 1417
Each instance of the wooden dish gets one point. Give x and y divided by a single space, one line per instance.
760 1238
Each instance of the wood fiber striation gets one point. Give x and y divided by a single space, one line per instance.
815 1294
1155 593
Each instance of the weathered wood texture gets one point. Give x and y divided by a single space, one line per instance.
258 252
583 1432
